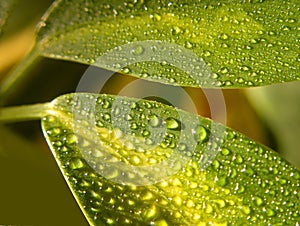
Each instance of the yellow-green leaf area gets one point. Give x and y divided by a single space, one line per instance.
186 170
239 43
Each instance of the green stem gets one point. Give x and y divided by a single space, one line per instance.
15 79
23 113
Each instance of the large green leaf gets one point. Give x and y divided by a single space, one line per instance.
189 43
138 162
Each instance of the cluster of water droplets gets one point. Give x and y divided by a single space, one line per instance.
244 184
244 44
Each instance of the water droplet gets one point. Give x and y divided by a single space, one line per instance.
188 45
145 75
216 164
271 33
246 210
228 83
146 133
193 185
240 80
71 139
161 222
106 104
222 181
254 41
224 70
190 203
156 17
147 196
134 126
258 201
177 200
250 171
270 212
283 181
172 80
225 152
126 70
106 117
54 132
58 143
154 120
209 209
182 147
233 173
240 188
223 36
176 30
176 182
206 53
239 159
138 50
151 213
76 163
221 203
135 160
291 20
245 68
173 124
110 221
84 184
201 134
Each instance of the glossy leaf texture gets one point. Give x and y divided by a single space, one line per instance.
188 43
139 162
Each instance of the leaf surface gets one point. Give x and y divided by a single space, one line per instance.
139 162
201 43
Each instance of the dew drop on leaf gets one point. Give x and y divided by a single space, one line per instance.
173 124
138 50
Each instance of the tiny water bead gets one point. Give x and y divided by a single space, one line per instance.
173 124
201 134
244 184
138 50
154 120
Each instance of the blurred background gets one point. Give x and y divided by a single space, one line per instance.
32 189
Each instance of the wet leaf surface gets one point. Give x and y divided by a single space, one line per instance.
134 162
202 43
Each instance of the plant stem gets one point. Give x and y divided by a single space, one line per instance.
15 79
23 113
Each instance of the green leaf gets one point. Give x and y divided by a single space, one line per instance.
139 162
201 43
277 106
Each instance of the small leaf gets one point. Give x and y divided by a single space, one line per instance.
200 43
139 162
